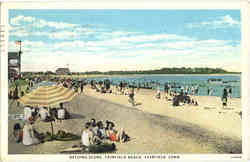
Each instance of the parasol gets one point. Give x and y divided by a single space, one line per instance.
48 96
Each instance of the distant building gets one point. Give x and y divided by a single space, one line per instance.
12 73
14 65
62 71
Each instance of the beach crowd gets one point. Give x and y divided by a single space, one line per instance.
95 132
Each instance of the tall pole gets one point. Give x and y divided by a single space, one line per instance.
20 61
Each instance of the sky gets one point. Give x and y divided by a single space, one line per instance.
104 40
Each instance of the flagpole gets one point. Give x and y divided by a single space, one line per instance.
20 52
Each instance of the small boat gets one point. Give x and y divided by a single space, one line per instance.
231 81
215 81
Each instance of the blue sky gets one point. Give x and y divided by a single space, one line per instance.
103 40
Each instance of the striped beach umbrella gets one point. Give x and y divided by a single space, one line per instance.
48 96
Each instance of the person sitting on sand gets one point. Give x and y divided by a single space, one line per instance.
112 134
27 111
108 123
94 127
18 132
44 114
124 136
117 136
87 135
29 137
101 130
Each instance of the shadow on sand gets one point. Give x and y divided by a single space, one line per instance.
208 108
137 104
76 116
228 108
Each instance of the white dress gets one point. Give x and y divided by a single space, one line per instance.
85 138
27 113
28 138
61 114
43 114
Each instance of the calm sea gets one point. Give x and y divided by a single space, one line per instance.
201 81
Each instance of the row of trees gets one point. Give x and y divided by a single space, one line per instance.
174 70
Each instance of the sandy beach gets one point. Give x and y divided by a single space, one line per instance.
155 125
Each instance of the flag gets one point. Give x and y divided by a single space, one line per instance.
18 42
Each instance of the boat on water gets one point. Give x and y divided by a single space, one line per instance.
231 81
215 81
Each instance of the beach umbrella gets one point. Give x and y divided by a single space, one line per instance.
49 96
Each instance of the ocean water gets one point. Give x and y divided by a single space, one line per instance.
200 81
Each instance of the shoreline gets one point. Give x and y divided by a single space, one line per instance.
126 75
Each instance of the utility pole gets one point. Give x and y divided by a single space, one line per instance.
19 56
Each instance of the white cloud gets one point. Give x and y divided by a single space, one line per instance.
219 22
52 24
39 23
69 45
19 19
146 38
